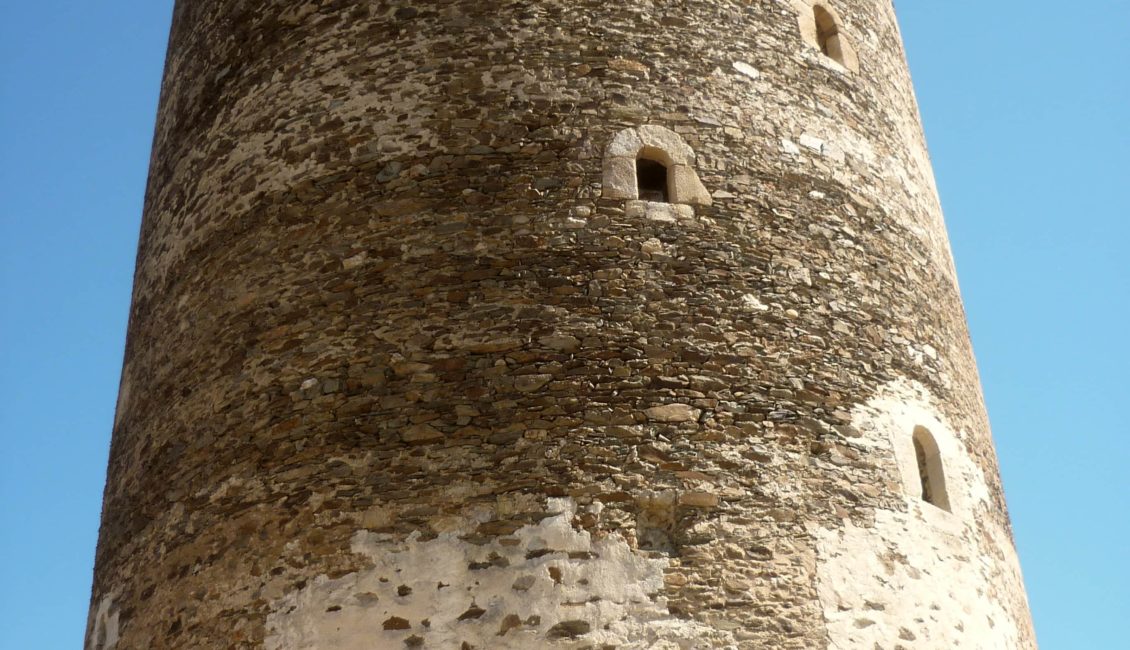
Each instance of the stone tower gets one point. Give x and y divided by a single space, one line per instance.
468 324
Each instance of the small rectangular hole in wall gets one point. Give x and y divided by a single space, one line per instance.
651 177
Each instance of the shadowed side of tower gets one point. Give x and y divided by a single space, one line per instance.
540 324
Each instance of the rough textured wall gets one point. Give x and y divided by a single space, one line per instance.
401 372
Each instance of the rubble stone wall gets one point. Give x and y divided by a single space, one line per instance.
402 371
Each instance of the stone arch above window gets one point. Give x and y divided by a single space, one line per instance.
821 28
931 473
632 161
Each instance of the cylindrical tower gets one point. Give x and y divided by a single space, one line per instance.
538 324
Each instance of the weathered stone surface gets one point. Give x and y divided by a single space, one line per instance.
687 188
620 178
746 69
531 383
673 413
699 499
405 351
421 433
563 343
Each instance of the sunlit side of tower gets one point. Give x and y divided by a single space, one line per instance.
543 324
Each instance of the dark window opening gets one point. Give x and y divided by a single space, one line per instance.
931 475
923 473
651 177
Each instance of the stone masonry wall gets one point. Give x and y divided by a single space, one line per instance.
401 373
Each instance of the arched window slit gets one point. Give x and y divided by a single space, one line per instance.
923 473
828 34
931 474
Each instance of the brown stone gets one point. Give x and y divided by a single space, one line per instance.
421 434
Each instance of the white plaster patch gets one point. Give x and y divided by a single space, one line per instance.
747 69
811 142
921 577
102 628
544 585
750 302
909 581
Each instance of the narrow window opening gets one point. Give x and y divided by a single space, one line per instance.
828 34
930 473
923 472
651 177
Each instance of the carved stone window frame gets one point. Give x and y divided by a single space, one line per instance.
837 50
947 497
656 143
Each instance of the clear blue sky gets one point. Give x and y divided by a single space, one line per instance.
1026 106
